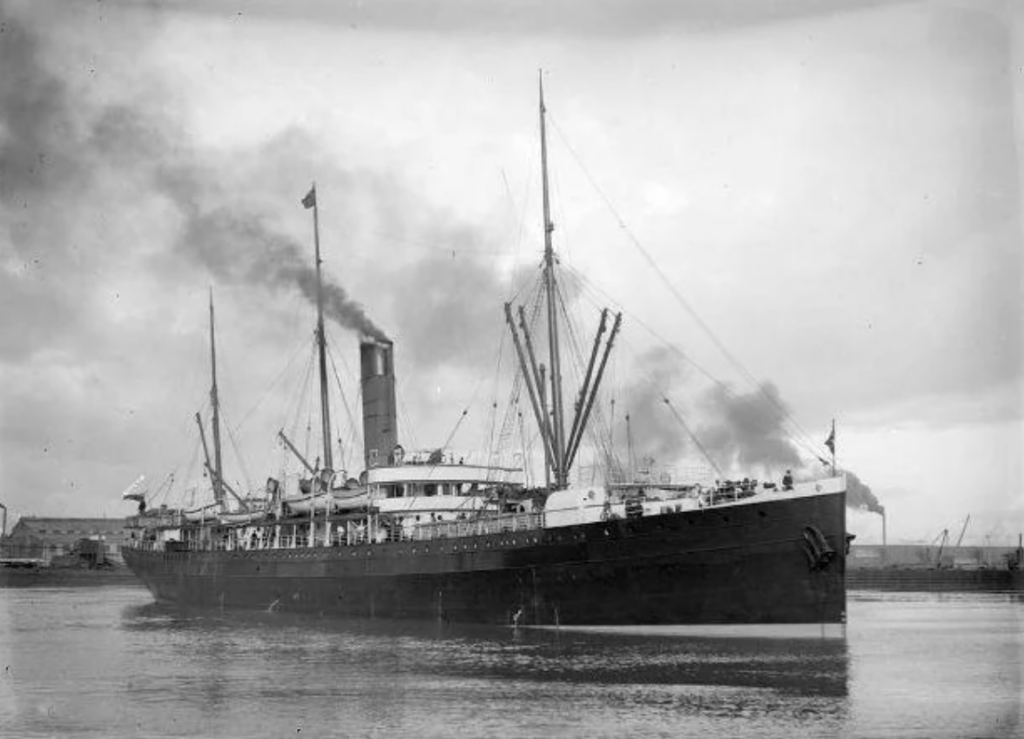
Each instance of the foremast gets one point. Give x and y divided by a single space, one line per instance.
321 340
218 469
321 474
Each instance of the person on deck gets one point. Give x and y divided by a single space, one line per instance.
787 481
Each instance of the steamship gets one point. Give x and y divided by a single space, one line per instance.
432 535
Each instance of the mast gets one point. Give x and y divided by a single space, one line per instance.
559 452
325 412
558 461
548 462
218 476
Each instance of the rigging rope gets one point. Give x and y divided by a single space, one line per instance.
458 423
238 452
740 368
193 458
348 413
296 352
303 391
799 437
406 422
519 231
693 437
494 398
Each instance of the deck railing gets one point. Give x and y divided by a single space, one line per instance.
292 535
478 527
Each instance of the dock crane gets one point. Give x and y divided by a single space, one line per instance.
941 540
963 530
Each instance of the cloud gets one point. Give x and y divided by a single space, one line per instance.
887 140
608 18
35 119
111 213
67 155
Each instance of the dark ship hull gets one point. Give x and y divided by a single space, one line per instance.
748 563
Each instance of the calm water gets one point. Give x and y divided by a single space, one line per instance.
107 662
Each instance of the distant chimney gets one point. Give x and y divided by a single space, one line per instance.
380 423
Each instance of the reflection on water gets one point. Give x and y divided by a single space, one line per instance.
810 665
107 662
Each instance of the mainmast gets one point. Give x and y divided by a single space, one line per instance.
325 413
558 460
218 476
559 452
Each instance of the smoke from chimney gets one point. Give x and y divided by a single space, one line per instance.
654 430
859 495
60 155
239 247
746 429
743 432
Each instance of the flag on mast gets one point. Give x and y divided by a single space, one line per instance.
830 442
310 200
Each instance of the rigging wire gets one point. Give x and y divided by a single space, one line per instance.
740 368
693 436
238 453
527 456
519 232
598 441
165 487
465 412
511 409
303 396
345 405
406 422
510 296
192 459
494 397
799 438
425 246
532 290
557 199
294 355
462 417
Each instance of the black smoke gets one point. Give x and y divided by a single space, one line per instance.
654 429
237 245
59 154
747 430
859 495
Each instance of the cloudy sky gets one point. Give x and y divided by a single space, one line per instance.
827 190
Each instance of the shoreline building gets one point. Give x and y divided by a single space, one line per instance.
44 539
